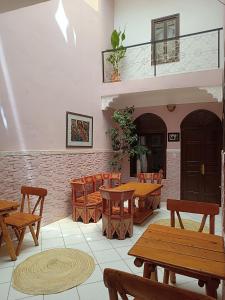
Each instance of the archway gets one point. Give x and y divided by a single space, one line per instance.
201 144
152 133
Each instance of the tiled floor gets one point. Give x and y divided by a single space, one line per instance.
107 253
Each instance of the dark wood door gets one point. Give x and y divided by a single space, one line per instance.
201 143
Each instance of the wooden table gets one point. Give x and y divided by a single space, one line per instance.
5 208
195 254
142 191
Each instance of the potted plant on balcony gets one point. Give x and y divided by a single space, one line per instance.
118 52
124 138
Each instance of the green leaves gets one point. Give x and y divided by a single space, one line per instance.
119 51
115 39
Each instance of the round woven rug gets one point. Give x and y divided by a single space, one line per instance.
188 224
52 271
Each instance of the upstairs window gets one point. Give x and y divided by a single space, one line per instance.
163 29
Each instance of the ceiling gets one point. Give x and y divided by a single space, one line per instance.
8 5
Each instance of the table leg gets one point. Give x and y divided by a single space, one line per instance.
211 286
150 272
7 239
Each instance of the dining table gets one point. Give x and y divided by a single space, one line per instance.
141 191
194 254
6 207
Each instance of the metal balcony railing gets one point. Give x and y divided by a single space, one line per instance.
186 53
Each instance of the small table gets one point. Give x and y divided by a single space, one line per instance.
142 191
195 254
5 208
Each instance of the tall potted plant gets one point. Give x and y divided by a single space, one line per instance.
118 52
124 138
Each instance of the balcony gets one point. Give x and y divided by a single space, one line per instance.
186 53
188 63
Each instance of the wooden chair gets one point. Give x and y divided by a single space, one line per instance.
106 179
203 208
155 198
98 181
115 179
89 184
20 220
117 220
123 284
86 206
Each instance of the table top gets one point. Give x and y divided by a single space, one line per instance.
141 189
6 205
185 250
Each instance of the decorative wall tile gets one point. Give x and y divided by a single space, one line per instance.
51 171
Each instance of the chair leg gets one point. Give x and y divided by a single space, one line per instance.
38 229
17 233
7 239
20 241
33 235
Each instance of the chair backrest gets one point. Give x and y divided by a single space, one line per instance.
112 199
150 177
203 208
115 179
78 189
122 283
33 206
98 181
89 184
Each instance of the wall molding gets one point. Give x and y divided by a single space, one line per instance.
52 152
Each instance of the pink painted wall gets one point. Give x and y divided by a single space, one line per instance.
171 185
43 74
174 119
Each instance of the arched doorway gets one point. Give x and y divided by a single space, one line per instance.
152 133
201 144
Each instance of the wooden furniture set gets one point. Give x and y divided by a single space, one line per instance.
176 207
30 214
142 191
86 198
194 254
124 284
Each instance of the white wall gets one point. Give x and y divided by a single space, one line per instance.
136 16
196 53
43 73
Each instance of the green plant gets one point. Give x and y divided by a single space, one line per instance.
119 51
124 137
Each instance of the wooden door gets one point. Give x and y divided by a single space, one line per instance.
201 143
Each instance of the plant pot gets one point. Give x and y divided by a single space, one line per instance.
115 76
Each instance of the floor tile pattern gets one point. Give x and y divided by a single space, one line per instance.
106 253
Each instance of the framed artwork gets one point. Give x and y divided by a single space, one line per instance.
79 130
173 137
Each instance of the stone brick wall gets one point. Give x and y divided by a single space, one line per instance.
50 170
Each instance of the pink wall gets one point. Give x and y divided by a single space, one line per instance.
43 74
171 185
174 119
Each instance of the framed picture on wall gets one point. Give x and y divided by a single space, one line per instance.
173 137
79 130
